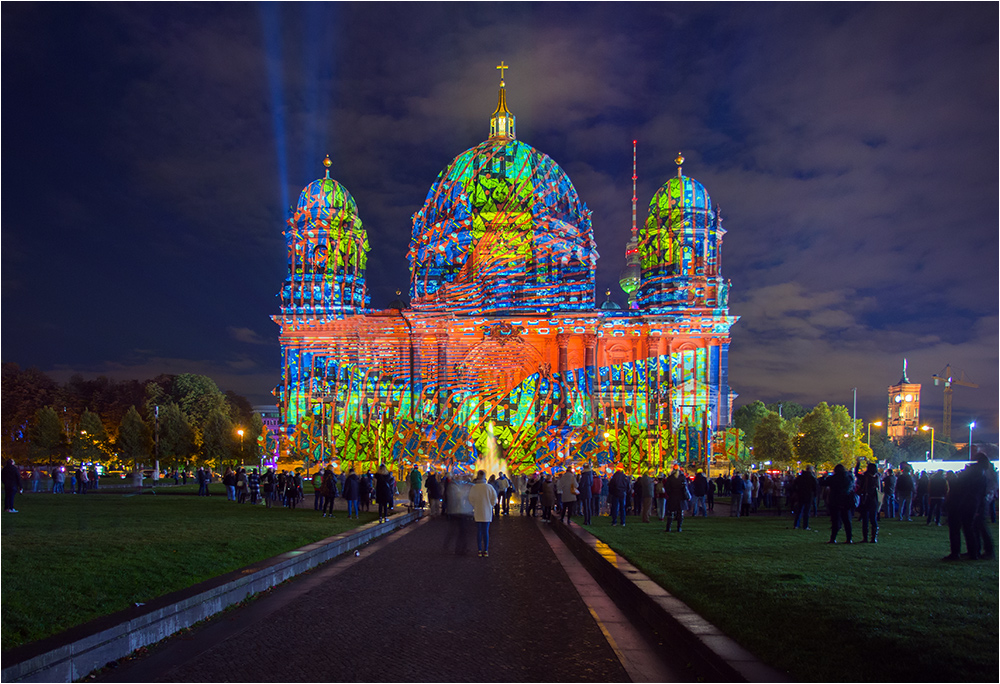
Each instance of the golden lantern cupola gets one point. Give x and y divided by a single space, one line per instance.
502 121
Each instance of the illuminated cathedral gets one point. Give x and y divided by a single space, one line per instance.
502 344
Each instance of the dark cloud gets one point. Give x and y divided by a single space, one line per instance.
151 151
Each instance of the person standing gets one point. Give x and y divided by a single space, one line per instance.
736 487
700 487
870 489
36 478
202 482
547 497
647 486
505 490
482 497
317 487
352 493
617 492
241 485
11 477
586 486
570 488
889 493
937 490
841 485
328 490
58 480
534 491
433 492
416 488
904 494
677 498
270 482
978 540
383 492
805 486
253 484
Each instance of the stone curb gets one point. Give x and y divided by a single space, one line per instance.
77 652
715 652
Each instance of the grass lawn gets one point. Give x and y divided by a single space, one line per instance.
69 559
886 612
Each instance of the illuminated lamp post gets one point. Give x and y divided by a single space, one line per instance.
925 428
971 425
877 423
240 433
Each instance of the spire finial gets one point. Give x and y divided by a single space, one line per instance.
327 163
634 198
502 67
679 161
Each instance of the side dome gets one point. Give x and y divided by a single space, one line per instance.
502 228
679 248
327 251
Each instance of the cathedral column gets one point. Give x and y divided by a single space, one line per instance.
562 339
593 378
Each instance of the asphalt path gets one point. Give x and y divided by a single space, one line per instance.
416 606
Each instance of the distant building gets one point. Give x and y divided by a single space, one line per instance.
904 408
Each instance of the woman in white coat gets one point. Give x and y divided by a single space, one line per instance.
569 488
482 497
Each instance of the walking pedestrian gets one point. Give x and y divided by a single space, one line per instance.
547 498
677 498
328 490
700 493
483 498
586 486
805 486
433 493
736 487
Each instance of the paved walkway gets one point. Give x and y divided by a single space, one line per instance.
420 605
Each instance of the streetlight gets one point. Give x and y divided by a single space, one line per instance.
925 428
879 424
971 425
240 433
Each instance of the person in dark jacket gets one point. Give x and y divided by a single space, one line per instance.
11 477
365 497
383 492
328 489
953 504
736 486
805 486
841 485
617 492
904 494
981 476
352 493
870 489
937 490
586 496
433 493
677 498
700 492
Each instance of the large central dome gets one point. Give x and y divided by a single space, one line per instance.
502 229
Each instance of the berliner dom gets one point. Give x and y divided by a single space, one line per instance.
502 347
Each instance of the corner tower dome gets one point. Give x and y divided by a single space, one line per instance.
680 249
502 229
327 251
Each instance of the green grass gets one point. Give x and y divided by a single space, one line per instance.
892 611
69 559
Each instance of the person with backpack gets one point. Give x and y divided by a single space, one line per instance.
317 485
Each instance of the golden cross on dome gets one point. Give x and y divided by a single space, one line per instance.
501 68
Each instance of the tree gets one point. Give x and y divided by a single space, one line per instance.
852 435
176 439
747 418
91 442
787 409
135 440
773 442
46 435
217 444
23 393
197 396
818 442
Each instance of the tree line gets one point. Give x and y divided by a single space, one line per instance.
181 420
789 436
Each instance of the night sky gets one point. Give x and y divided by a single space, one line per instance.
150 152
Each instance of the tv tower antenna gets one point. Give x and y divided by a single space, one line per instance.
634 176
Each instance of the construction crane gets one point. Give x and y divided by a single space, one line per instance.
947 376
